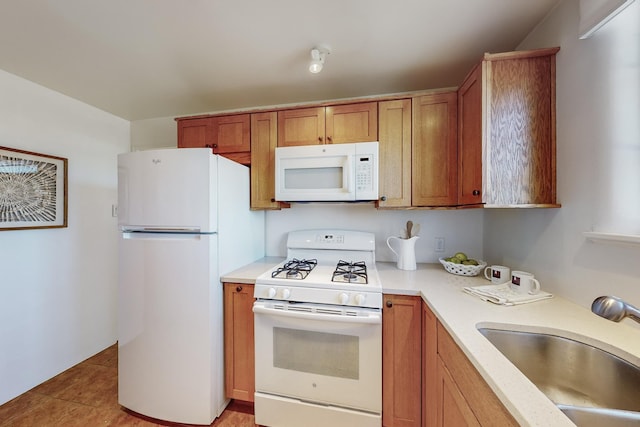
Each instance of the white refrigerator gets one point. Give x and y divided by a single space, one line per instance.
184 220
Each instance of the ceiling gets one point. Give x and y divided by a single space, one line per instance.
141 59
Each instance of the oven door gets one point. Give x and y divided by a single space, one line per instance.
322 354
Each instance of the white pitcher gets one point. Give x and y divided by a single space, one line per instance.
406 252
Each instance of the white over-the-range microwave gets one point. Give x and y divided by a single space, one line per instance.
329 172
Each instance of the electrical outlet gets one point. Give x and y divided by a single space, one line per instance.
439 244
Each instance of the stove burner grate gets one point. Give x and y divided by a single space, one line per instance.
350 272
295 269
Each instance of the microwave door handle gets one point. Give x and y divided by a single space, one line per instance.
350 175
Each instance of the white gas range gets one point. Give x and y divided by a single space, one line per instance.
318 333
325 267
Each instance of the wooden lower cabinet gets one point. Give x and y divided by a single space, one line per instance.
239 356
429 367
401 361
463 397
452 408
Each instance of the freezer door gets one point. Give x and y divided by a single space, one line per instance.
173 188
170 357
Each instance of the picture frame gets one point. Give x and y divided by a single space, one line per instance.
33 190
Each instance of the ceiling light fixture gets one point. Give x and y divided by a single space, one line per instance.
318 56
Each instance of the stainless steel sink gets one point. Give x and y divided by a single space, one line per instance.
591 386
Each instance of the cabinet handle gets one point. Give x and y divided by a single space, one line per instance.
320 139
215 145
476 192
329 139
383 198
389 303
239 289
273 200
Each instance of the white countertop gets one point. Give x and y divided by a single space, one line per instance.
462 313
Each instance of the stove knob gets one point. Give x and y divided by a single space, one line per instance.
344 298
360 299
286 293
271 293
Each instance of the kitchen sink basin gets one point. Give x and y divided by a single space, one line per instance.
591 386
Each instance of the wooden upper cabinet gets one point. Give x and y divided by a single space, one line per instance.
470 139
225 135
352 123
264 138
195 133
304 126
328 125
512 96
394 137
434 150
232 134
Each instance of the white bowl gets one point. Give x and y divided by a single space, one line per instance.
462 269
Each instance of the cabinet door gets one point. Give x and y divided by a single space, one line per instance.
352 123
238 341
520 143
394 137
231 134
301 127
264 133
453 409
228 136
469 384
429 367
434 150
195 133
401 361
470 139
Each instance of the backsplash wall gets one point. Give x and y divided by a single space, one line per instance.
461 229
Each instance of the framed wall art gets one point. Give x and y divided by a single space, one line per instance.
33 190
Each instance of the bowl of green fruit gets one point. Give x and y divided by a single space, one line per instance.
462 265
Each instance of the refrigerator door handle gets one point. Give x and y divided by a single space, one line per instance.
163 236
140 229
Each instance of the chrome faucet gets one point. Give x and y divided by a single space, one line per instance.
615 309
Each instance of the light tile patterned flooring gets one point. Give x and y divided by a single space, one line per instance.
86 395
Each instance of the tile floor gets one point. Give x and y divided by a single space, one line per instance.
86 395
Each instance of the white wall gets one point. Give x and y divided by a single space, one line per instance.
58 286
160 132
598 162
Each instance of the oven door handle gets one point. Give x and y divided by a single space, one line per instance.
370 318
